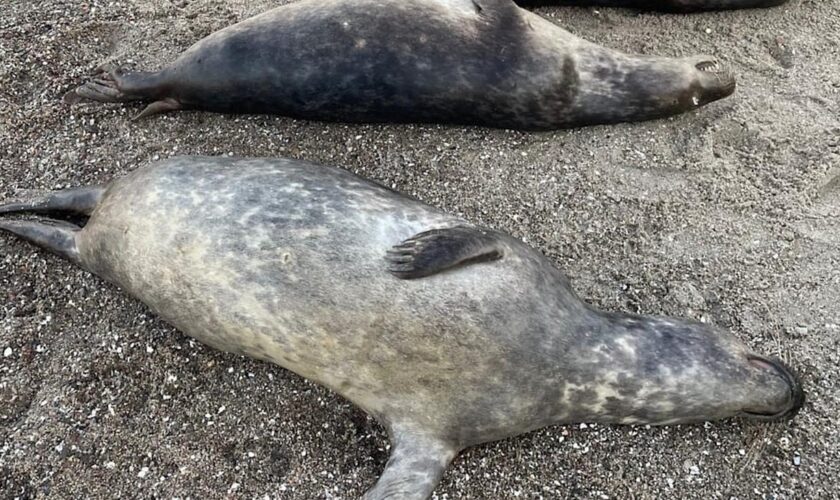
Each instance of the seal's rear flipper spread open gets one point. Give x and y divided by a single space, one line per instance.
117 85
437 250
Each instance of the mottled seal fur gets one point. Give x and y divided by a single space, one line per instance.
449 334
481 62
664 5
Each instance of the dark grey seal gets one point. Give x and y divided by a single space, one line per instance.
449 334
664 5
474 62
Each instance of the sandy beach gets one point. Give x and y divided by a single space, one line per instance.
730 215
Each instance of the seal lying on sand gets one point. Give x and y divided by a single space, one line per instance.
449 334
482 62
666 5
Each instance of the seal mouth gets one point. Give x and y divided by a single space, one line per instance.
797 395
712 66
714 79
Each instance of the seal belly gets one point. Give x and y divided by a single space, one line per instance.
286 265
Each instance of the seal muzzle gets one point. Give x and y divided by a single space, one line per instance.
796 397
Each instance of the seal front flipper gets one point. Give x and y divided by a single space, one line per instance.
415 467
437 250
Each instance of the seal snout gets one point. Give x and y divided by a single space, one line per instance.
715 80
785 395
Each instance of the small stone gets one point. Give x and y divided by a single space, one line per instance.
7 352
797 460
686 295
143 472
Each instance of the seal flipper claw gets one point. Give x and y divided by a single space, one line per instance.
437 250
415 467
56 236
157 107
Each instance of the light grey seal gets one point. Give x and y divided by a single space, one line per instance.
474 62
449 334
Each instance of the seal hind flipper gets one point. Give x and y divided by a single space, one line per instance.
437 250
77 200
416 464
491 5
157 107
117 85
56 236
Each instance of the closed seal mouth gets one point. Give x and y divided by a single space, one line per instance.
797 395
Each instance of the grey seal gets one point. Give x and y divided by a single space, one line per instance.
473 62
449 334
664 5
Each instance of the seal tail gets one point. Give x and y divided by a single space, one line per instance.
56 236
81 200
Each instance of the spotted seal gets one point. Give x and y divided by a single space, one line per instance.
665 5
474 62
449 334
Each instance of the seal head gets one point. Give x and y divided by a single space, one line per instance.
664 371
